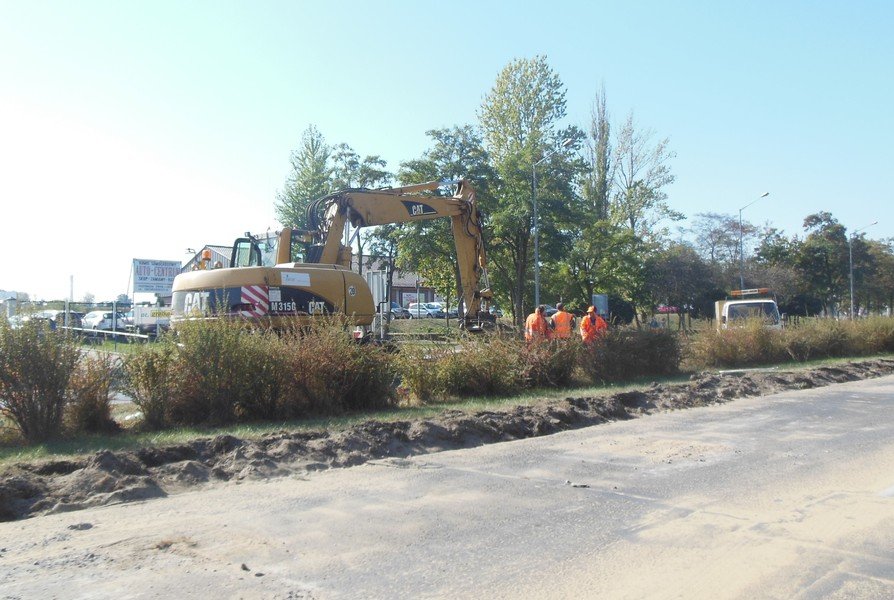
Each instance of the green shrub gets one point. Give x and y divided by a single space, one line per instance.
35 367
481 366
224 371
148 379
819 338
549 365
625 354
751 345
89 406
220 373
484 365
325 371
416 368
877 333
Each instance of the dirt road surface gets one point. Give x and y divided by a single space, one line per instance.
774 496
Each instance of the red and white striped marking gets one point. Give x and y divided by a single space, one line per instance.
258 297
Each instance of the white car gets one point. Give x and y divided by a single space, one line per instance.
103 320
425 310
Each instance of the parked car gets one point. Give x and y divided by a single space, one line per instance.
59 317
496 311
15 321
75 319
425 310
551 310
453 313
103 320
398 311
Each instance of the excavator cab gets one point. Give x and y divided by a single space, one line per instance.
246 253
286 246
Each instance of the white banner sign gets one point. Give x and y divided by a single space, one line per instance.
154 276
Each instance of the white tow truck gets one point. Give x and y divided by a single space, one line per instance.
744 305
148 320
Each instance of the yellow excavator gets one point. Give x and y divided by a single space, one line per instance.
292 276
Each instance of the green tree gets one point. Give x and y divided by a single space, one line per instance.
642 172
823 260
604 258
519 119
309 179
350 171
427 247
878 285
717 239
596 185
774 266
865 268
681 278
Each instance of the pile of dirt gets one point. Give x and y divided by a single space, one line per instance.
32 489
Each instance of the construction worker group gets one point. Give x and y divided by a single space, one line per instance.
538 327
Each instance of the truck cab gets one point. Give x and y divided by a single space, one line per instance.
745 305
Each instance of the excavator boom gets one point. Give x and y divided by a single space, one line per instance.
365 207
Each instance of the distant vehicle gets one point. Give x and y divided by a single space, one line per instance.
426 310
148 319
746 305
551 310
75 319
398 311
453 313
496 311
60 318
16 321
103 320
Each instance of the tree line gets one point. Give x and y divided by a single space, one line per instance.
604 221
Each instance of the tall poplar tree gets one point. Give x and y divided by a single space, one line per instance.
309 179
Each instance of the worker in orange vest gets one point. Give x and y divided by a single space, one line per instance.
592 326
563 322
536 326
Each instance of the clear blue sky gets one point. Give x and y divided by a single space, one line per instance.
138 129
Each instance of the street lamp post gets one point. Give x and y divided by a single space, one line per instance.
546 155
850 252
742 244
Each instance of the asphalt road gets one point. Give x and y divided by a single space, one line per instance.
786 496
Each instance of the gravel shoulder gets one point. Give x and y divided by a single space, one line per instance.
56 486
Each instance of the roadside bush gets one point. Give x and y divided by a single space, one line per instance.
549 365
148 379
877 333
326 372
625 354
754 344
481 366
221 374
36 365
485 365
416 369
747 346
821 338
89 406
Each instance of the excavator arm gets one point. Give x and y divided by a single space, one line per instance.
365 208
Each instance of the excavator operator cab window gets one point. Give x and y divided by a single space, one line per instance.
246 253
268 248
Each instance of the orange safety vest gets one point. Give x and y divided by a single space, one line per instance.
536 327
590 328
562 321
